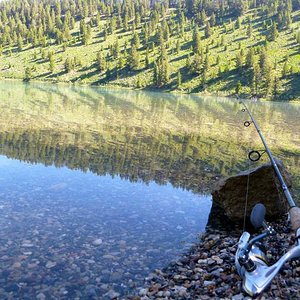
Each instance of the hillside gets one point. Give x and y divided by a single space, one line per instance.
248 47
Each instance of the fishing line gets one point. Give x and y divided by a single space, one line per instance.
247 193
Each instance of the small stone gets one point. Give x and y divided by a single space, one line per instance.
27 245
202 261
143 292
207 283
16 265
217 259
182 293
111 294
238 297
41 296
90 261
91 291
97 242
217 272
167 294
108 256
50 264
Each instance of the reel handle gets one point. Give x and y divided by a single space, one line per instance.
257 216
295 217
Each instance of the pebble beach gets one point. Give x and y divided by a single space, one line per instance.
208 271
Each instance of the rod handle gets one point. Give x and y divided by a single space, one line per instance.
295 217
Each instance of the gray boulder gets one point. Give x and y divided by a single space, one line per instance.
264 187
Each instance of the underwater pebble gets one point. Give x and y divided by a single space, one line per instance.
97 242
50 264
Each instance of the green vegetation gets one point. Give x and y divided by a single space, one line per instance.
244 47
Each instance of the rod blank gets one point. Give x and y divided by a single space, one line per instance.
294 210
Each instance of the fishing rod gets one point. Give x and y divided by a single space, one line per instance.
250 259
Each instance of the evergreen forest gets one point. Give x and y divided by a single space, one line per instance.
248 48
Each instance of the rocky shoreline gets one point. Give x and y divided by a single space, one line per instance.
208 271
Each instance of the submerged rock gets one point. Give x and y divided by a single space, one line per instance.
50 264
97 242
264 187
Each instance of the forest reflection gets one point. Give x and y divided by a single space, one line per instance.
185 140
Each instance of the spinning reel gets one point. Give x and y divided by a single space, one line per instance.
251 260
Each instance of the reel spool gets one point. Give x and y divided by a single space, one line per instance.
250 259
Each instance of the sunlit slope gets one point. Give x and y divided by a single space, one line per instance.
222 74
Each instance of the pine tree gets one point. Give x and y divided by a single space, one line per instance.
101 62
256 78
137 19
264 62
51 63
196 41
135 40
178 46
112 24
222 41
28 73
69 65
206 62
239 60
20 43
285 69
250 58
126 21
164 72
188 63
276 86
164 67
139 82
208 31
212 19
159 36
220 71
155 74
238 23
122 62
203 17
298 37
179 80
116 49
269 83
249 30
87 34
273 34
204 78
197 65
147 59
134 61
166 31
238 88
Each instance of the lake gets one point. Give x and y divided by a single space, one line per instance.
99 187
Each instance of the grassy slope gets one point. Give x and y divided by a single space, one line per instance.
12 65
